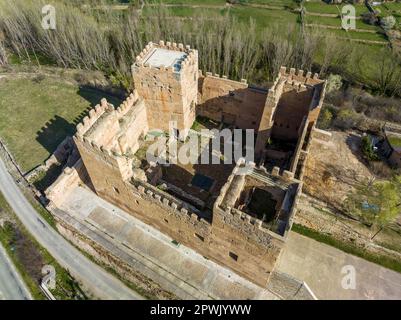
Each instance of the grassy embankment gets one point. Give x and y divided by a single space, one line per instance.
29 257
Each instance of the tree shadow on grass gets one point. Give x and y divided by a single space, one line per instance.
94 95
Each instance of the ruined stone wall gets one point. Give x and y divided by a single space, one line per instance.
298 81
169 95
229 233
266 121
321 134
292 107
292 96
66 182
231 239
304 129
317 102
256 250
243 239
132 122
230 101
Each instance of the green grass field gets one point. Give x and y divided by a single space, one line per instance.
189 2
336 22
37 116
360 35
273 3
262 16
321 7
390 9
395 141
281 3
265 17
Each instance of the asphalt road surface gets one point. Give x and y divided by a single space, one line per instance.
102 284
11 285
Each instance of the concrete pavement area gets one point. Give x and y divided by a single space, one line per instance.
12 286
321 267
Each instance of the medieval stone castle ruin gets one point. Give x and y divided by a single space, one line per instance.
237 220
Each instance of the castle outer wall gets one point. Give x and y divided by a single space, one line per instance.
232 238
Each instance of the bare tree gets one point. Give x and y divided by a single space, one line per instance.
91 35
388 74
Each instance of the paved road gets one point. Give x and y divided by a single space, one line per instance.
324 267
12 286
98 281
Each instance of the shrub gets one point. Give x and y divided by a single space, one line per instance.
334 82
3 54
370 18
375 107
376 202
39 78
381 169
388 23
346 119
325 119
367 149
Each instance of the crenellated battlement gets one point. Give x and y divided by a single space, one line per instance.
92 122
294 76
295 80
275 90
89 144
93 116
240 219
224 77
253 227
190 58
244 217
128 103
92 145
168 202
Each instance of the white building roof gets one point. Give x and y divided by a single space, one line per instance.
159 57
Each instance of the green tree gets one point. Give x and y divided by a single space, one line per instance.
367 149
346 118
334 82
388 23
325 119
376 202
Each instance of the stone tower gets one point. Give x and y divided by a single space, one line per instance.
295 97
166 77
